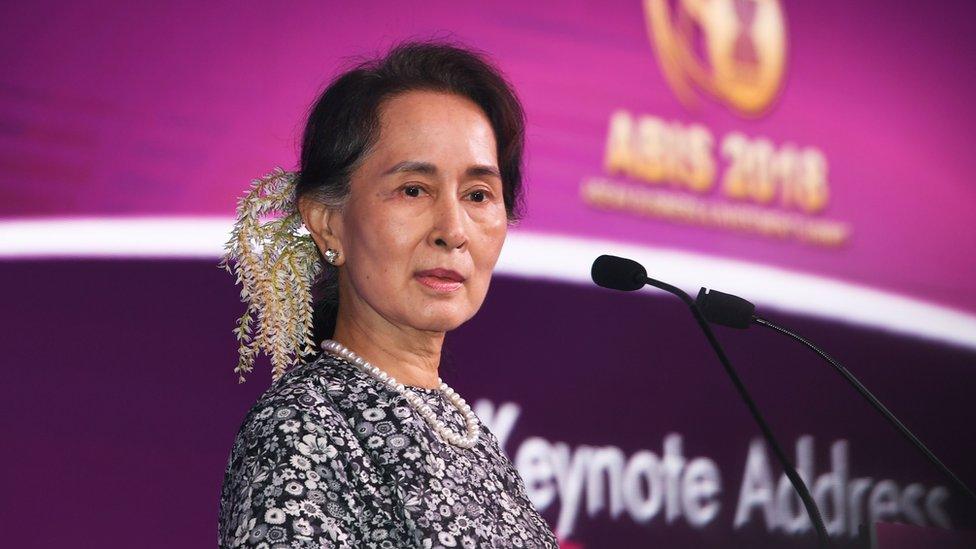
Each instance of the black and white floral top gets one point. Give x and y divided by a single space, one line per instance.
330 457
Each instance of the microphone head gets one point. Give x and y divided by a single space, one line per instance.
725 309
618 273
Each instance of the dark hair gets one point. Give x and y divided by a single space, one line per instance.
343 127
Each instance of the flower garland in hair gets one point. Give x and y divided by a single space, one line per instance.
276 265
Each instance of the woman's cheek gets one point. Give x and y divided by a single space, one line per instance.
495 236
393 228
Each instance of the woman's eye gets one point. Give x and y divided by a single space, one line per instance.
478 196
412 191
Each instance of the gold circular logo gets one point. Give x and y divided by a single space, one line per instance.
733 50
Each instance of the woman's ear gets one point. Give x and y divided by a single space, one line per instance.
318 219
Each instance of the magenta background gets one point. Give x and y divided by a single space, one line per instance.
121 402
170 109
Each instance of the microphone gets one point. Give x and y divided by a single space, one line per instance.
735 312
725 309
618 273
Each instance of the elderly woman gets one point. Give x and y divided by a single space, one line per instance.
410 174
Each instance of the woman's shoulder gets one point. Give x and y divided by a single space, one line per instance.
297 404
295 463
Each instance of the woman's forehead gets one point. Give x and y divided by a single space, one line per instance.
448 136
433 116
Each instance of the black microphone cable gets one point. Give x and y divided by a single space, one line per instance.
736 312
618 273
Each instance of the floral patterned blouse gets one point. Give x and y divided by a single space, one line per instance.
330 457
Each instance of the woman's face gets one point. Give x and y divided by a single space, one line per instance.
427 197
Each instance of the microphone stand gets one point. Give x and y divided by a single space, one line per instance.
864 392
788 467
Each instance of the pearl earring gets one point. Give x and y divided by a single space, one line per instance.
331 255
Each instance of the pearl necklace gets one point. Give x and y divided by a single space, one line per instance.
418 404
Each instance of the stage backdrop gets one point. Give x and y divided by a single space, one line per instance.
810 156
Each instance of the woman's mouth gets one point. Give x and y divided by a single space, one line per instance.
440 280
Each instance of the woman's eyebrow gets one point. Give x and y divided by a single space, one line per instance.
412 166
426 168
482 170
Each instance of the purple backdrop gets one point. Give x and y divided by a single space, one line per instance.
121 400
122 404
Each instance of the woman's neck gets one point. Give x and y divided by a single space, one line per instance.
410 356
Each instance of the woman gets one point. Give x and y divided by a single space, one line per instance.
410 174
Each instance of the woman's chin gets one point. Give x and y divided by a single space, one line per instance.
439 318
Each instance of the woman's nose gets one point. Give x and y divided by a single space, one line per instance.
448 231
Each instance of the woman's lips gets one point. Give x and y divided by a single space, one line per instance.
440 279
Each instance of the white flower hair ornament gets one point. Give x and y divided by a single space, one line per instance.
276 262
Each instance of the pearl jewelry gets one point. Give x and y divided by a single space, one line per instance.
417 403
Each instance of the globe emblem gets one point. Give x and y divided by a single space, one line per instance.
732 50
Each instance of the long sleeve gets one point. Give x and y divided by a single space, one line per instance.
292 478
